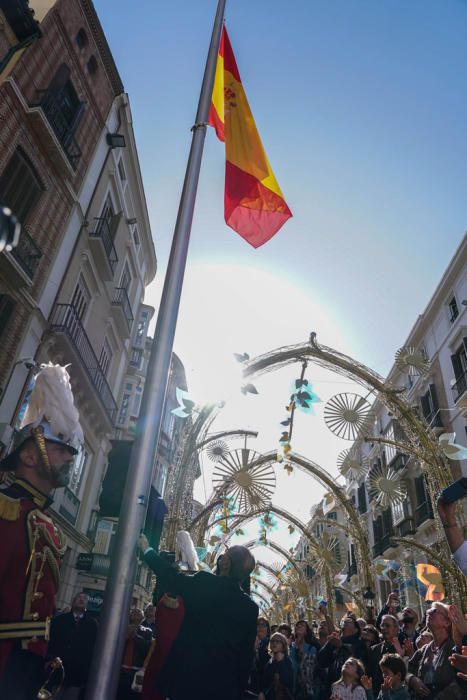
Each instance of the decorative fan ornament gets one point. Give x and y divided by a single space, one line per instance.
386 487
411 360
276 576
352 462
217 450
345 415
249 484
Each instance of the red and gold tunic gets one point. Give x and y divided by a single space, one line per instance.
31 546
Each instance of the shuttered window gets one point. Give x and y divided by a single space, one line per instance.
19 186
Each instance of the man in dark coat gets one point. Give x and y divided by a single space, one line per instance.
72 638
212 655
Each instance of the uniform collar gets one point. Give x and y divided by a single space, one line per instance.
40 499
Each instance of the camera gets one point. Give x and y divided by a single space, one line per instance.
10 229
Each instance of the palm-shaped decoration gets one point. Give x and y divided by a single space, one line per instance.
386 487
352 462
247 482
345 414
412 361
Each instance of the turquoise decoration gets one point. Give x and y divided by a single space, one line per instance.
303 396
185 405
201 552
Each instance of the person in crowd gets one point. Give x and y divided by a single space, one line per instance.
212 654
323 632
137 643
370 636
304 655
424 638
72 638
392 607
393 671
149 618
339 647
349 686
409 624
261 657
454 536
435 678
278 676
361 622
286 630
274 628
459 662
390 645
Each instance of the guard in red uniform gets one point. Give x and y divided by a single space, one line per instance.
30 543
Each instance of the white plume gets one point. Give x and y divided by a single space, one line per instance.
185 551
52 400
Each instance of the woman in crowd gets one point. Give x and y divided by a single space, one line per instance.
278 677
349 686
286 630
370 636
304 655
435 678
261 658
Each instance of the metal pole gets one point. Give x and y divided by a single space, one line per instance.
105 668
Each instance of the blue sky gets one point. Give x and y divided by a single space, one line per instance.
362 108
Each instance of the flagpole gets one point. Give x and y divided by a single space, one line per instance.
113 623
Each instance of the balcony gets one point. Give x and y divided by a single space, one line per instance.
20 264
52 128
406 527
460 390
433 419
72 343
423 512
69 507
121 310
399 462
102 246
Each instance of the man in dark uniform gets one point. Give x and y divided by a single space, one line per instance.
30 543
212 655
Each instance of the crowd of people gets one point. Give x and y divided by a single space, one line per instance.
398 658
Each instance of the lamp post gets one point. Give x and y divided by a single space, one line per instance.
369 597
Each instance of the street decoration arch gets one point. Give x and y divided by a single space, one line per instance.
421 441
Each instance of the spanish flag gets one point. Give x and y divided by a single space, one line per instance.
253 202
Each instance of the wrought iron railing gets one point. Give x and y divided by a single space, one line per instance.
399 461
27 254
65 320
434 419
69 508
460 387
102 231
121 299
53 109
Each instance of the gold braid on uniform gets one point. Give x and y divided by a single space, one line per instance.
9 507
38 435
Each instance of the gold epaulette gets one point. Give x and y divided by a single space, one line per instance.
10 508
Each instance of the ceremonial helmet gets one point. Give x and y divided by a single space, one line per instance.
51 415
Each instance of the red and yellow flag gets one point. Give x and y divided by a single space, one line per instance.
254 204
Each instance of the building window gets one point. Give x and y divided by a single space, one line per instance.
136 240
92 65
105 357
125 280
123 414
82 39
81 298
77 473
362 504
105 532
19 186
459 361
121 170
136 357
430 408
453 309
137 401
7 305
62 106
142 329
332 515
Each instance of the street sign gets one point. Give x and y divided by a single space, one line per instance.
84 561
